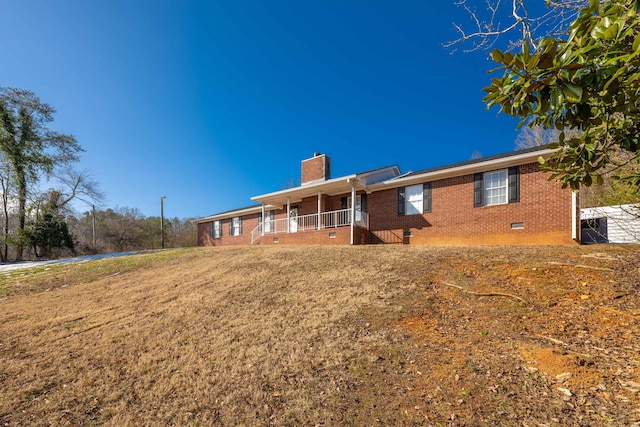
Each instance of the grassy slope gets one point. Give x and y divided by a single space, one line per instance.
326 335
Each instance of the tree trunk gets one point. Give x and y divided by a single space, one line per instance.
22 202
4 253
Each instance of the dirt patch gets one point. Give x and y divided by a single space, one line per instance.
327 336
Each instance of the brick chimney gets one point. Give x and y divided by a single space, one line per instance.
315 169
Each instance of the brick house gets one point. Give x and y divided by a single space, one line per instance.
504 199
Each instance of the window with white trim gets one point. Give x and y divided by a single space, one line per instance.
268 221
414 199
495 187
235 226
216 229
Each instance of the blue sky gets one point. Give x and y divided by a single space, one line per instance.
211 102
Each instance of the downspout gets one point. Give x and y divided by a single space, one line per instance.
263 221
574 214
353 211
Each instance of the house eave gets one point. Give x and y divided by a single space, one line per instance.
529 156
230 214
330 187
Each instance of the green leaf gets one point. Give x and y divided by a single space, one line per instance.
496 55
559 125
572 92
611 32
636 43
507 58
572 67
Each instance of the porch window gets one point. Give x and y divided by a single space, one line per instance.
216 229
235 226
268 221
361 204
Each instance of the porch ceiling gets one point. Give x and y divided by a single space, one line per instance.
329 187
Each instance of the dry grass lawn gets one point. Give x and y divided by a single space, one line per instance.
331 336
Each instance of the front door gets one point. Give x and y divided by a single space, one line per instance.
293 220
268 222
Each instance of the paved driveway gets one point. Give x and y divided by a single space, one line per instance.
10 266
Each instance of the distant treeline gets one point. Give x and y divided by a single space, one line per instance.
126 229
67 234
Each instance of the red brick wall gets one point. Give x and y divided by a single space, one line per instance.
315 168
307 206
341 236
544 208
249 222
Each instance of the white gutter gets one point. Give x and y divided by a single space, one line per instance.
306 190
230 214
448 172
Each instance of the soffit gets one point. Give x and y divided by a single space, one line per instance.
329 187
463 169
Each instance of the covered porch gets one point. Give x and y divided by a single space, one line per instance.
311 222
311 208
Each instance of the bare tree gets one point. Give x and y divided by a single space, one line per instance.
184 233
492 20
614 191
77 185
477 154
536 136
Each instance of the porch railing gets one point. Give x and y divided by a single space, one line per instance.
331 219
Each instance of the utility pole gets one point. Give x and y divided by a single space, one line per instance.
93 222
162 221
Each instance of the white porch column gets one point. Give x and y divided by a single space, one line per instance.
288 213
262 225
353 211
319 209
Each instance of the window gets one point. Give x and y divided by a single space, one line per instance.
216 230
414 199
361 204
268 222
235 226
496 187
